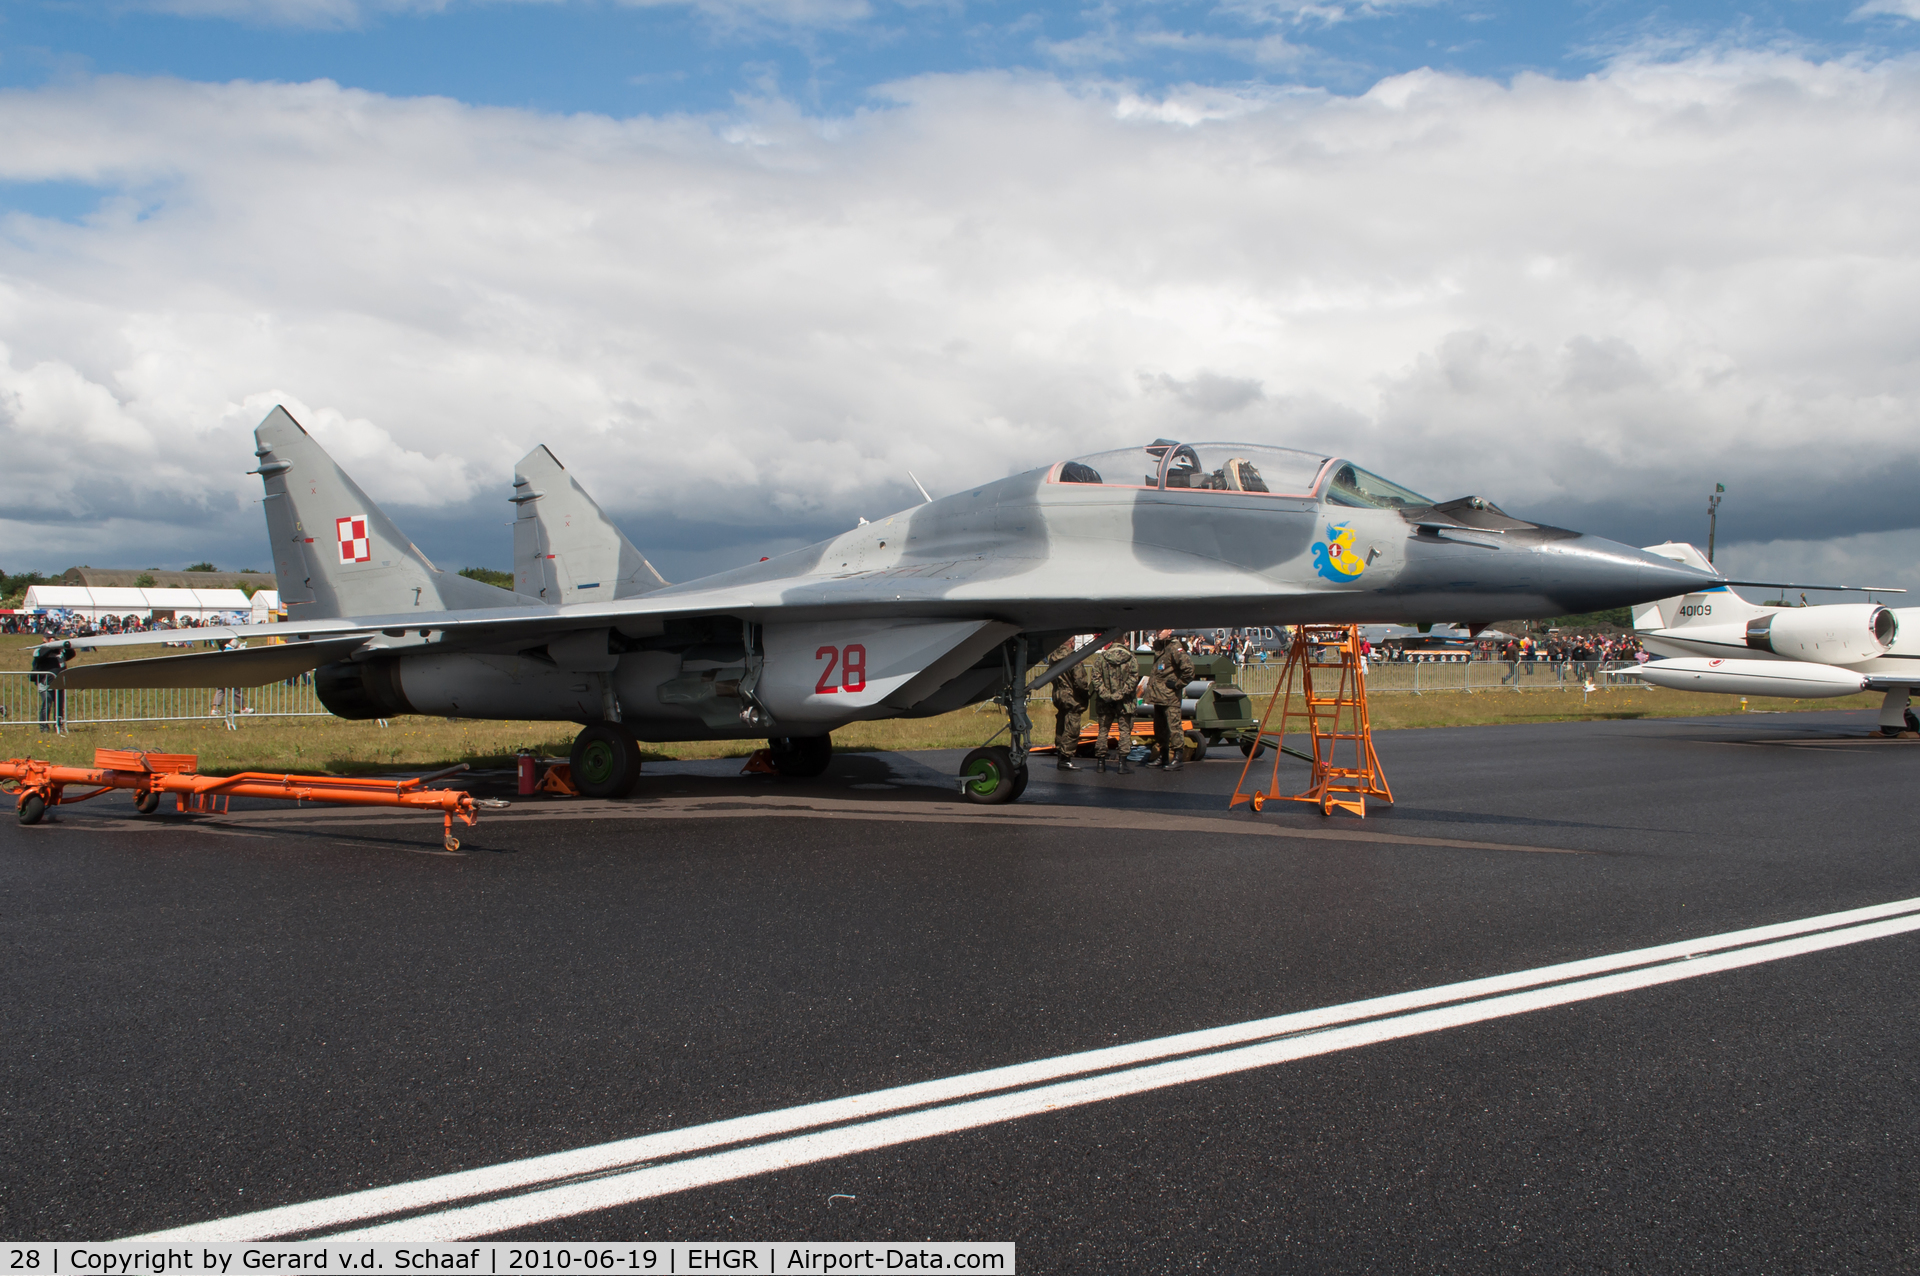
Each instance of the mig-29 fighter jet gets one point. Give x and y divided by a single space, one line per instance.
933 608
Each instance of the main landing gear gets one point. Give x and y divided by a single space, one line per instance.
1896 715
605 762
800 757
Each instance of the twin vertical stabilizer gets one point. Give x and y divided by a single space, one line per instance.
336 553
565 550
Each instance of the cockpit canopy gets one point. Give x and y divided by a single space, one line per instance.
1240 467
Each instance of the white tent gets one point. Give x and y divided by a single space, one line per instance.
265 603
174 604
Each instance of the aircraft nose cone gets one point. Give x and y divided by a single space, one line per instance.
1598 574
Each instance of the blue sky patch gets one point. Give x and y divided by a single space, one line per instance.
61 201
828 55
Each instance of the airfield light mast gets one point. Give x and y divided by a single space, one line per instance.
1713 513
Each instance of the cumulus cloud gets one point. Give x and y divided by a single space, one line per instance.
1587 300
294 13
1102 46
339 14
1887 8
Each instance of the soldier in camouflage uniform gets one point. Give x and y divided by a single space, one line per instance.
1070 692
1114 678
1166 683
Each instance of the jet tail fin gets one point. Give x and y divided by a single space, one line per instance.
565 549
1718 605
335 552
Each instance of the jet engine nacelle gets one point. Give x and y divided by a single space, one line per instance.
460 686
1793 680
1835 634
810 679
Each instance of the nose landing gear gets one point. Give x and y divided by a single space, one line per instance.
988 775
995 773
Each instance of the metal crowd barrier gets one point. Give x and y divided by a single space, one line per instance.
23 703
1470 675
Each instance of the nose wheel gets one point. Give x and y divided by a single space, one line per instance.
993 774
989 777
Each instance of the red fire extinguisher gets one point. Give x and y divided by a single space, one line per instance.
526 773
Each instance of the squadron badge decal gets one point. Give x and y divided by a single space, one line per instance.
1334 558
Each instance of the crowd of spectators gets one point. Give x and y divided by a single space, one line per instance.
1581 654
1238 646
1580 648
62 624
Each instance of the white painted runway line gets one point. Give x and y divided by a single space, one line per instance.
540 1189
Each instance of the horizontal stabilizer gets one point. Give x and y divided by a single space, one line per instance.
247 667
1715 602
1831 589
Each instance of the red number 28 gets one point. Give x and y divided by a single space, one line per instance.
852 664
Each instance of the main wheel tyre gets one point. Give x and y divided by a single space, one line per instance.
605 762
32 809
988 775
1196 747
1021 775
1252 748
801 757
147 803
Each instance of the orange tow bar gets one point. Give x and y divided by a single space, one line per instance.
42 784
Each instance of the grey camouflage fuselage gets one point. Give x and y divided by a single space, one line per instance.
905 616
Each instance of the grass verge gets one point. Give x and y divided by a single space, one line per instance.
415 743
349 748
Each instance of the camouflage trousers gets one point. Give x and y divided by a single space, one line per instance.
1166 726
1066 728
1106 714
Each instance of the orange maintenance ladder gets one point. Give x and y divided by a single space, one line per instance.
40 785
1331 721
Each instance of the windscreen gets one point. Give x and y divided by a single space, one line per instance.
1351 485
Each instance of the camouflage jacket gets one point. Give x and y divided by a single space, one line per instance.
1113 674
1172 671
1071 689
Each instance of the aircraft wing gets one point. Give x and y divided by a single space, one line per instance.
973 587
248 667
307 644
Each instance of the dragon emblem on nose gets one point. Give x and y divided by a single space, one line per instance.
1334 557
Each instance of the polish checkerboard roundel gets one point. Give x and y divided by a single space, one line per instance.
355 545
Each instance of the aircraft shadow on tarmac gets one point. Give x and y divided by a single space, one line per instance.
902 777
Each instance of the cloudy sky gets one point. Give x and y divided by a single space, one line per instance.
743 263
